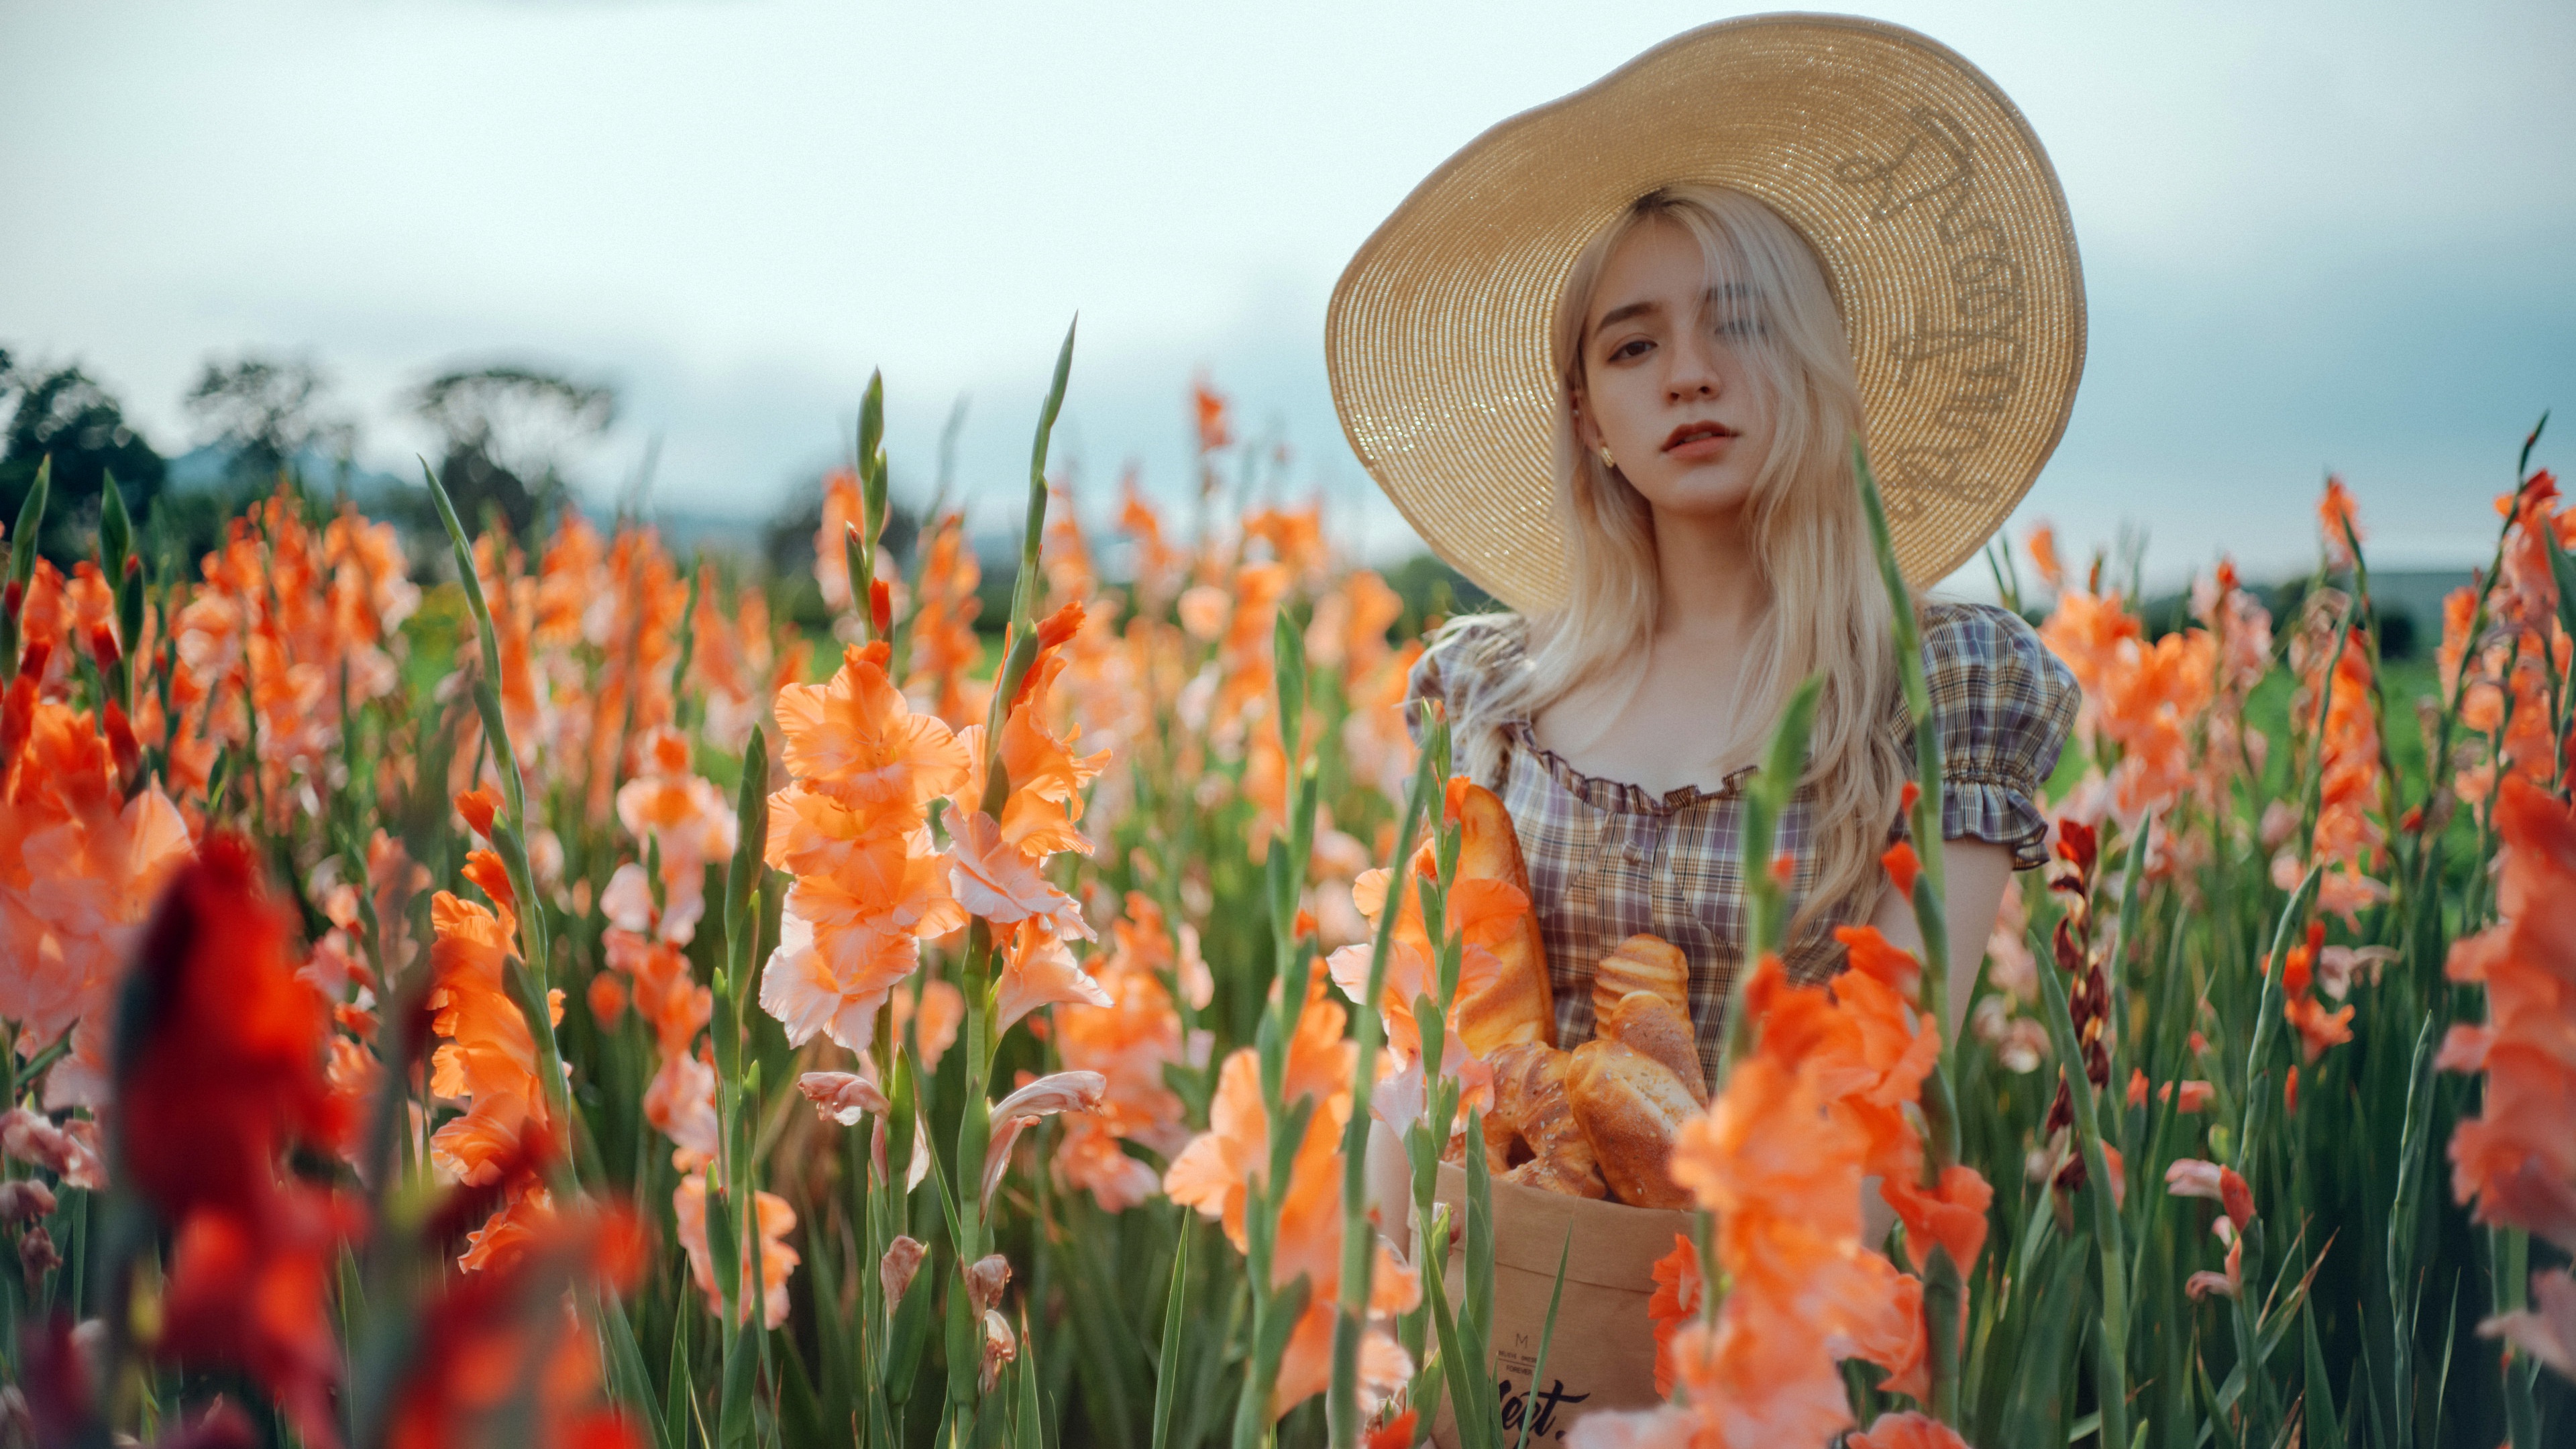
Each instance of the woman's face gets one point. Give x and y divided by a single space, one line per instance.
1666 383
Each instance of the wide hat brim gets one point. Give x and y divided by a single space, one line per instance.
1939 220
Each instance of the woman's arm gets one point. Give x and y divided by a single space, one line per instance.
1978 872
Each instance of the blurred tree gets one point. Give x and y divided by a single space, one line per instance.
508 432
269 411
63 413
1432 591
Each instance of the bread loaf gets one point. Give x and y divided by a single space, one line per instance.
1648 1025
1514 1005
1642 963
1631 1109
1531 1137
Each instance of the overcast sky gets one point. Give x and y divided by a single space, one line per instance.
2314 236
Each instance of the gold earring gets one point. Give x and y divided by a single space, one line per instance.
1607 462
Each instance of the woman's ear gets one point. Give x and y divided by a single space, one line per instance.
1586 436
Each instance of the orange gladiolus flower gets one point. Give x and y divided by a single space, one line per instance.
945 649
934 1021
1039 970
2336 514
1047 778
1779 1156
1676 1301
232 1071
1213 1173
1159 567
488 1059
1129 1038
777 1260
1208 407
2516 1156
994 880
2042 543
856 740
80 865
1295 537
675 808
853 827
842 510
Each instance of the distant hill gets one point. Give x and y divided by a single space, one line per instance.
2409 602
209 469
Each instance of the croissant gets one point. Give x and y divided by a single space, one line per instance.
1642 963
1531 1137
1515 1004
1630 1108
1648 1025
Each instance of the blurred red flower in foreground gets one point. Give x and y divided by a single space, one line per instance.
219 1068
502 1354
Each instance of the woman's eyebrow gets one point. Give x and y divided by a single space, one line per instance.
1730 292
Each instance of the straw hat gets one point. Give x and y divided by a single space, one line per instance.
1940 223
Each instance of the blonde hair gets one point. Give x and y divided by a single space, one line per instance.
1829 611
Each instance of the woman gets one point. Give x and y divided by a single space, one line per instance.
1609 361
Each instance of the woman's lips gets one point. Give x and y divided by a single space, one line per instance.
1698 440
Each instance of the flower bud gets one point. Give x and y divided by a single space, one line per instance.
986 1277
902 1259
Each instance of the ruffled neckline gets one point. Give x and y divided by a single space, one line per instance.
1620 795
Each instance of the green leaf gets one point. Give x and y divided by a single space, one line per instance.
679 1392
800 1415
627 1377
31 522
115 527
1473 1399
734 1412
2321 1429
1031 1418
744 872
1547 1329
725 1261
1024 592
1167 1364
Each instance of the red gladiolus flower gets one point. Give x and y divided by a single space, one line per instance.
219 1068
220 1060
501 1351
1902 866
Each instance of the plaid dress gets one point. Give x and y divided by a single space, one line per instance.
1608 859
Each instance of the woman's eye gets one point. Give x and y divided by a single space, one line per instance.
1633 347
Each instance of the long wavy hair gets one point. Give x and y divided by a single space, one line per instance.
1829 612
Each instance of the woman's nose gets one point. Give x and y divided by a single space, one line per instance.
1695 372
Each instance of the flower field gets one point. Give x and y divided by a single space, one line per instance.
558 1001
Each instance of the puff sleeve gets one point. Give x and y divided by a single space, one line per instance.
2006 705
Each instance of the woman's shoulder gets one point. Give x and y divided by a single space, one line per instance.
2000 691
1965 629
1466 657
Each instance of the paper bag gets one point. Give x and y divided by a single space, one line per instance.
1603 1353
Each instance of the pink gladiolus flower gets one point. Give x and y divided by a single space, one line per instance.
842 1097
